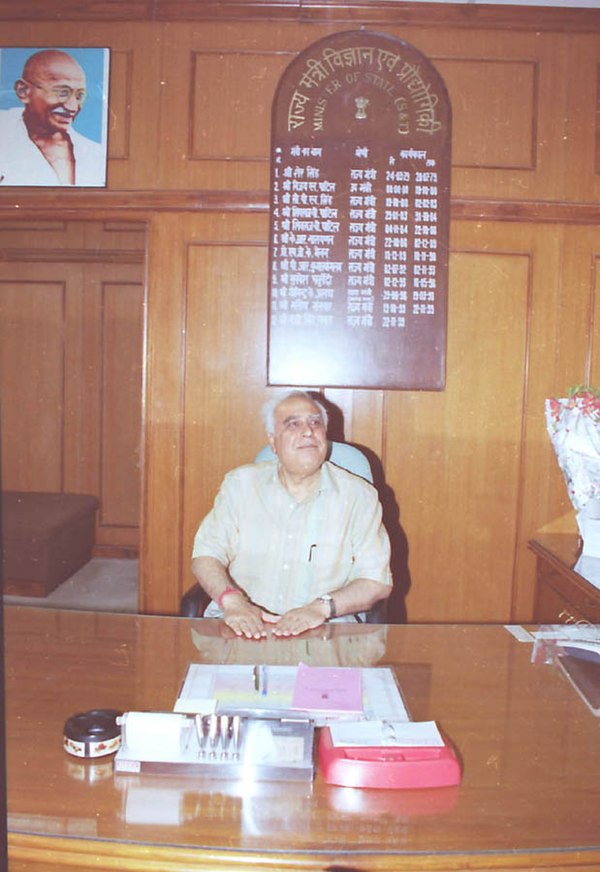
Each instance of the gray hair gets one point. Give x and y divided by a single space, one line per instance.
270 407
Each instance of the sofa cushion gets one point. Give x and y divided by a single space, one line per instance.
46 537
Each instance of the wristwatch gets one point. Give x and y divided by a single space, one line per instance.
329 601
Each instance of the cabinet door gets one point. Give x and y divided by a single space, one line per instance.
562 597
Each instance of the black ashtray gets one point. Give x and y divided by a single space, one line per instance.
94 733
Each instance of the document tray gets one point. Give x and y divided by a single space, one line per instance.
387 766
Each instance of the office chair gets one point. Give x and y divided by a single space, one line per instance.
347 456
195 600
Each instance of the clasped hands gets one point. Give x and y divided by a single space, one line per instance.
249 620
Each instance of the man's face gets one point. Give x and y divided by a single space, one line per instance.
299 440
53 95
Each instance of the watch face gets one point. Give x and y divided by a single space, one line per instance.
328 600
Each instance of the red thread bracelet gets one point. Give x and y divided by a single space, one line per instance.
227 591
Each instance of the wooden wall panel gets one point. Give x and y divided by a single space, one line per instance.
510 138
534 499
121 92
72 367
471 469
32 379
508 92
190 105
582 128
578 349
457 452
121 434
217 132
245 127
225 369
593 373
214 339
136 89
161 549
495 109
83 363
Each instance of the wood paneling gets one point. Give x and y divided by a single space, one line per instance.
496 109
213 338
582 119
508 95
503 132
241 75
458 455
578 351
121 71
122 356
471 469
71 368
434 15
225 369
32 372
470 473
161 552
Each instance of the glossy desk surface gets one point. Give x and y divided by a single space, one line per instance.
530 749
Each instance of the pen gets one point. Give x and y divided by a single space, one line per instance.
235 735
256 679
263 682
212 734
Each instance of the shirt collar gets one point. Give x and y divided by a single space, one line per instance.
327 481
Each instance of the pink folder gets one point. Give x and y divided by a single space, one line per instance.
328 689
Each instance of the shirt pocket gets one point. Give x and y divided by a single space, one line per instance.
330 564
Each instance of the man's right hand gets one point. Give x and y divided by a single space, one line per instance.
242 617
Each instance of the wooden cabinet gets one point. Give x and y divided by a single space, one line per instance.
562 593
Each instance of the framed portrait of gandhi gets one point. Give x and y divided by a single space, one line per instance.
53 117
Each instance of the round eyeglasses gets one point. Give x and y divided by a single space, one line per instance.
62 93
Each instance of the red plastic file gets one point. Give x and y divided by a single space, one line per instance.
387 766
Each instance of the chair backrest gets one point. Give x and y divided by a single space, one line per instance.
347 456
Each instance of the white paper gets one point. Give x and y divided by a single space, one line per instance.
589 567
195 705
232 688
563 632
520 633
376 734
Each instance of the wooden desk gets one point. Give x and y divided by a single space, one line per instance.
562 593
530 796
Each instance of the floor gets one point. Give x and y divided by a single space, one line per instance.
103 584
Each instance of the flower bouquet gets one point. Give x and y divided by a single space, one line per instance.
573 424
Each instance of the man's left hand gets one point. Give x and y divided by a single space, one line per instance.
298 620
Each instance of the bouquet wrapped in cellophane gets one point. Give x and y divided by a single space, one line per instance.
573 424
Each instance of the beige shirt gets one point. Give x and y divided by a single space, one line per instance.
284 553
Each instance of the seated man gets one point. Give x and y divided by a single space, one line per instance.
296 541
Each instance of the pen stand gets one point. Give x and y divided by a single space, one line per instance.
221 746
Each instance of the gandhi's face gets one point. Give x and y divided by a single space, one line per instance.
53 93
299 440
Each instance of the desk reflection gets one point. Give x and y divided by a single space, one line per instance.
164 801
329 645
